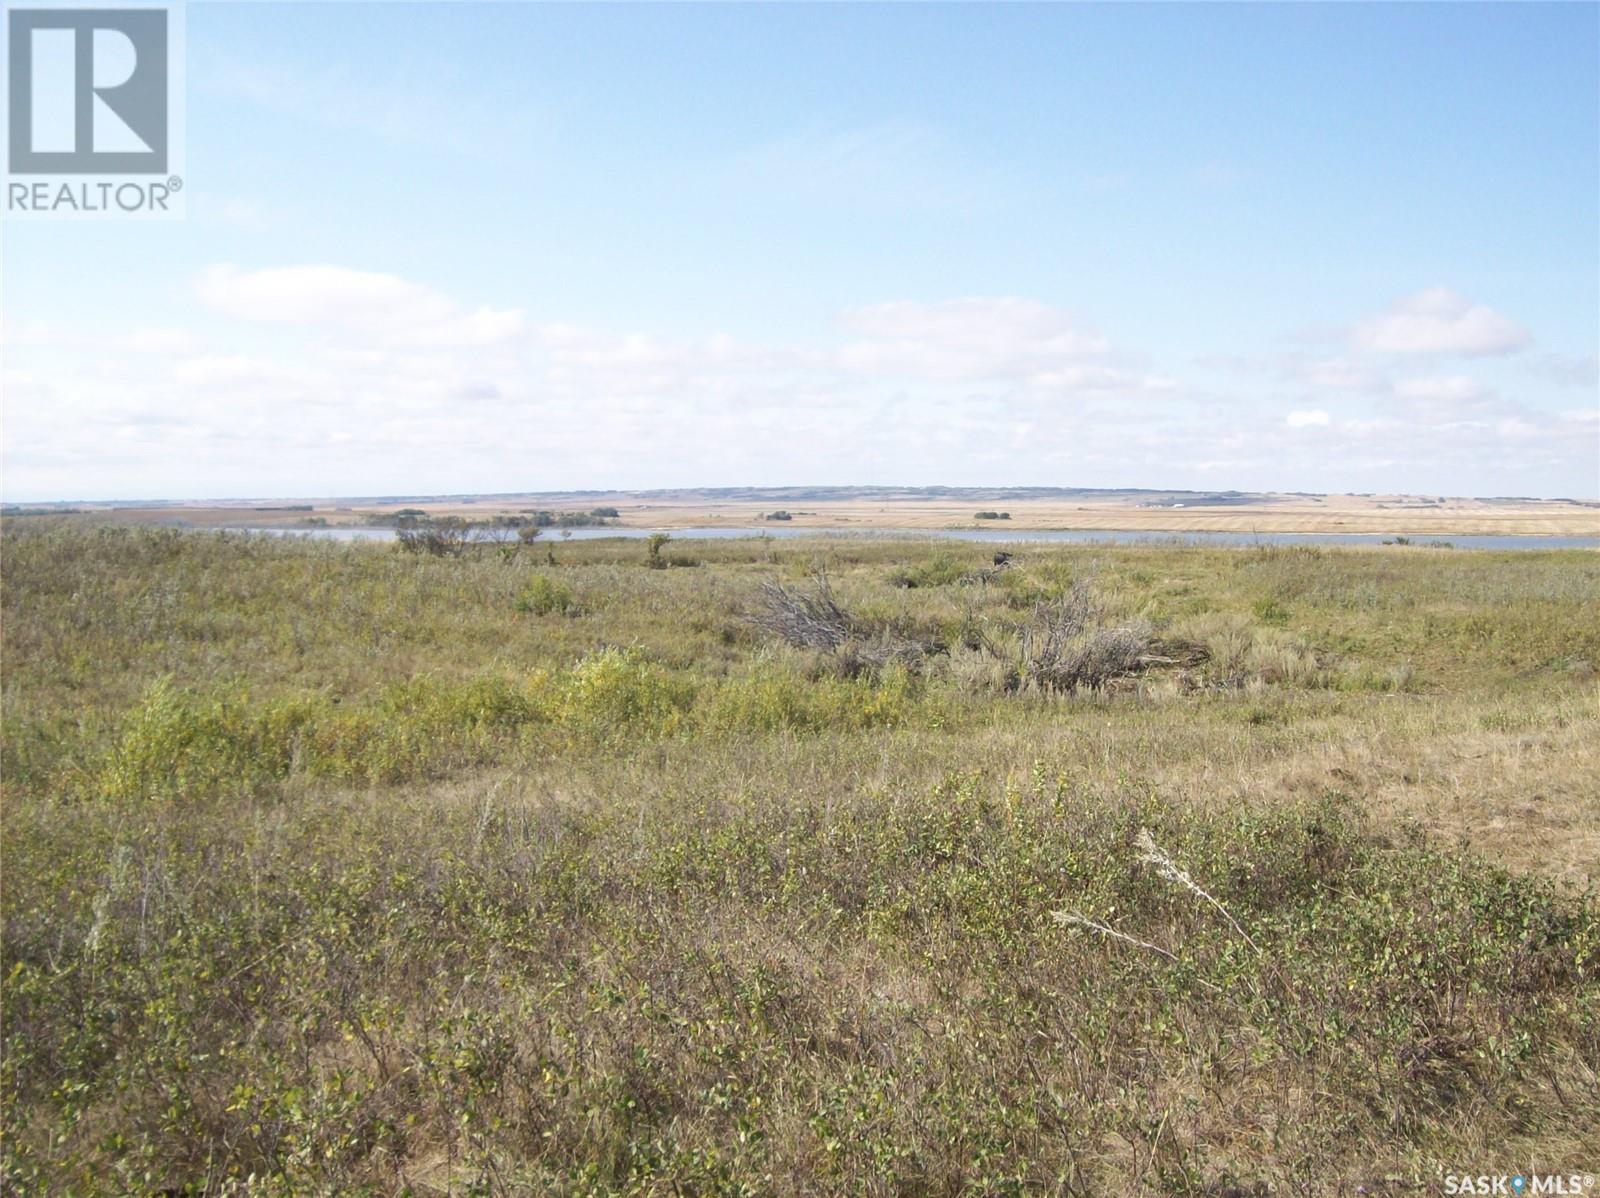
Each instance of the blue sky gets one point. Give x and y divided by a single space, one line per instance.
444 248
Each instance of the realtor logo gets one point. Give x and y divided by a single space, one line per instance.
94 109
88 91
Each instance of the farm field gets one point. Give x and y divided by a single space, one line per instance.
794 867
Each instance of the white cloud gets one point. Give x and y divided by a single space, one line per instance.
1448 401
1337 374
157 341
1315 372
1574 370
18 334
1086 379
1438 321
1314 418
323 378
973 338
1451 389
230 372
362 301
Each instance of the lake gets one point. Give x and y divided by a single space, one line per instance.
995 535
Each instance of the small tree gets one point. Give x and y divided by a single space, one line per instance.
653 545
443 536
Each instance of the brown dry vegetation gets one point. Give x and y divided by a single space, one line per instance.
332 868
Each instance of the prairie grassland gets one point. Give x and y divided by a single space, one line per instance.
334 869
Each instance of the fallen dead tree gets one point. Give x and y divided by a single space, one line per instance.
1088 661
812 618
1067 646
806 620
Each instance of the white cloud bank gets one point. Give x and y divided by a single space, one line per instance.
1451 389
368 302
1439 321
1020 341
318 379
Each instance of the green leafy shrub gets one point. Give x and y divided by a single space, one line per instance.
177 743
617 694
779 697
1268 610
543 596
942 569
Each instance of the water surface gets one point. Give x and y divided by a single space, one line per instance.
995 535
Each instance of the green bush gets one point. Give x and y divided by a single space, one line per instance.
1269 611
544 596
942 569
779 697
176 743
618 694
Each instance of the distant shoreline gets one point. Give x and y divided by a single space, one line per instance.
930 510
993 536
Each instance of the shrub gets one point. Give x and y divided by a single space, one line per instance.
543 596
619 694
443 536
942 569
176 743
771 698
1269 611
778 697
